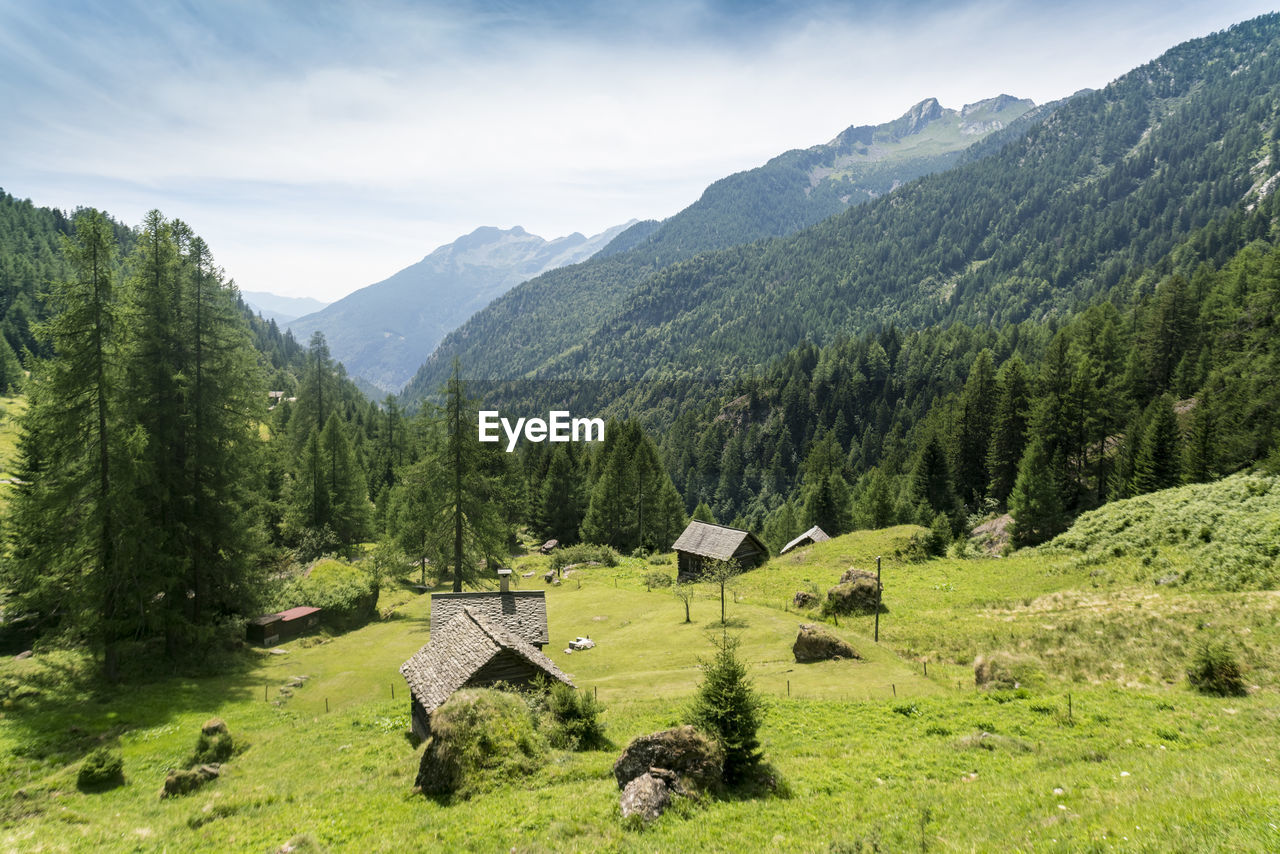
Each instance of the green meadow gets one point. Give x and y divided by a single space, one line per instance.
1104 748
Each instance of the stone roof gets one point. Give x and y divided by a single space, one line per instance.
522 612
813 535
719 542
457 651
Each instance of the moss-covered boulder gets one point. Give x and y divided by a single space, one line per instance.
816 643
479 738
696 760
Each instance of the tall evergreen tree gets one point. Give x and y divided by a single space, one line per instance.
931 484
973 430
1159 461
68 558
1036 505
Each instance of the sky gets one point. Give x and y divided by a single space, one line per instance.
319 147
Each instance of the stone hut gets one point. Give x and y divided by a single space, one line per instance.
702 541
469 651
521 612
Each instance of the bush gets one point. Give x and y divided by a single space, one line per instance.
100 770
583 553
479 738
345 594
728 708
575 719
215 747
1215 670
657 579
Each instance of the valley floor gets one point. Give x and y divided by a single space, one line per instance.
1105 749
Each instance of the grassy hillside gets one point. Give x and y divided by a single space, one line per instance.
1106 748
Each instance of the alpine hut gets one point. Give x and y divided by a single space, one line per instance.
702 541
808 538
521 612
469 651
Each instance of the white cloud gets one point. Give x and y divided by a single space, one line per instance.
318 156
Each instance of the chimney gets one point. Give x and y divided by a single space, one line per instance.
504 580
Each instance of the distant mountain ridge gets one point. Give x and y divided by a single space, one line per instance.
278 308
790 192
382 332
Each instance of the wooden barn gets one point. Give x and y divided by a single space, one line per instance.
469 651
808 538
702 541
271 629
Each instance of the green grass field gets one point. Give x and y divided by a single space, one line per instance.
1108 749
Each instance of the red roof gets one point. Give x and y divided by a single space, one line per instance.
297 613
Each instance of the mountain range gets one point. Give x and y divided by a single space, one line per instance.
384 331
1063 205
789 193
278 308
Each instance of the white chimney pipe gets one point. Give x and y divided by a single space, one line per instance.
504 580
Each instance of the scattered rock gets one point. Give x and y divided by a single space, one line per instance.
1004 670
22 655
550 576
646 796
694 758
214 726
185 782
528 574
279 651
815 643
804 599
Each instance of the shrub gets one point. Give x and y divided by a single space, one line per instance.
583 553
575 719
100 770
215 747
1215 670
728 708
345 594
657 579
478 738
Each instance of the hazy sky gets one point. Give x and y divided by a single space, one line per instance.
321 146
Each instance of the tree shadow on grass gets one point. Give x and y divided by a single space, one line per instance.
58 707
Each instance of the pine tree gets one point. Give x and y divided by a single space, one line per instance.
703 513
974 431
1200 461
560 497
348 496
879 501
825 495
1158 464
728 708
931 484
1038 514
68 564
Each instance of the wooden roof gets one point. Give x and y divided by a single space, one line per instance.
813 535
719 542
458 650
521 612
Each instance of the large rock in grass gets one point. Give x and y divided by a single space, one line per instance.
697 761
815 643
646 796
1005 670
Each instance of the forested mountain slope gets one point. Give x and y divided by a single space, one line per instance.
554 312
1110 182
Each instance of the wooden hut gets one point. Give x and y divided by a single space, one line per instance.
808 538
469 651
271 629
702 541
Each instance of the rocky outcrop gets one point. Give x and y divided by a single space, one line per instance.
694 759
185 782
